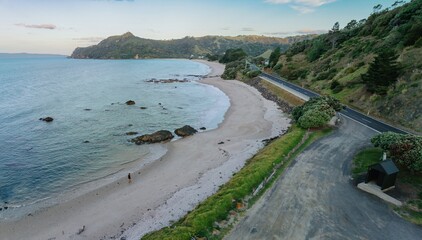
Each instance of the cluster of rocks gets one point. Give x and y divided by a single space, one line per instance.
167 80
284 106
163 135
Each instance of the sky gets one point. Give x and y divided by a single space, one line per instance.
59 26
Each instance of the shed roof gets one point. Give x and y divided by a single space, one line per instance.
387 166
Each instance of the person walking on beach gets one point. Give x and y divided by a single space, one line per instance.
129 178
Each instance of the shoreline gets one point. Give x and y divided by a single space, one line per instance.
160 193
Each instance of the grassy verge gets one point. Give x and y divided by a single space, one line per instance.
201 221
409 185
364 159
283 94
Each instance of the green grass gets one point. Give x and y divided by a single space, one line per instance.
283 94
200 222
366 158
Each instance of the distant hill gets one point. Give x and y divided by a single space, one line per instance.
336 64
128 46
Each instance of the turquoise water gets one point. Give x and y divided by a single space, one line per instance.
40 160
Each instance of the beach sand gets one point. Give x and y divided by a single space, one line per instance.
165 189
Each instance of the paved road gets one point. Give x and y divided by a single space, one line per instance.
362 118
315 199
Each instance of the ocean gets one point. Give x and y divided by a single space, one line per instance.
87 140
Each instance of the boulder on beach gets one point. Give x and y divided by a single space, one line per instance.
47 119
185 131
130 102
160 136
203 128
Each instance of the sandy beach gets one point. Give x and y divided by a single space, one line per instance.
165 189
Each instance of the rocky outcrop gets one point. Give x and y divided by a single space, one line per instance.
131 133
130 102
47 119
185 131
160 136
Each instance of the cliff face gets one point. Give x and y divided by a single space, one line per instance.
334 64
128 46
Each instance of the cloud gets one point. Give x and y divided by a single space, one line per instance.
89 39
39 26
225 28
302 6
248 29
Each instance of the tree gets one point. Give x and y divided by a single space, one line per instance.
377 8
334 34
351 25
232 55
382 72
406 150
275 55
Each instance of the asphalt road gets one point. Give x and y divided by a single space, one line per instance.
315 198
348 112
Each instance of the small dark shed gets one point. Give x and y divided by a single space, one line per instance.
383 173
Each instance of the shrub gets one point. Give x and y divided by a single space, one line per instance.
405 150
313 118
316 112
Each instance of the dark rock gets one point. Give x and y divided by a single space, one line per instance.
160 136
131 133
185 131
87 109
203 128
130 102
86 141
143 108
221 143
130 125
5 208
47 119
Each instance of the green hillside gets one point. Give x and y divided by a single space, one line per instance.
389 43
128 46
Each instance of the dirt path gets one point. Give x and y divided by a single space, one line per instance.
315 198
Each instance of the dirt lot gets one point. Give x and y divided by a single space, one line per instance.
315 198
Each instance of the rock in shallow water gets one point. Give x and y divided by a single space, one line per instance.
185 131
130 102
47 119
160 136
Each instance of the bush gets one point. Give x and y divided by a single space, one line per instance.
316 112
232 68
405 150
313 118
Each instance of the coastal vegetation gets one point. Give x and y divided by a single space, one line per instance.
316 112
405 149
128 46
371 64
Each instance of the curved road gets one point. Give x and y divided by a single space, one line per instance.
315 198
355 115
